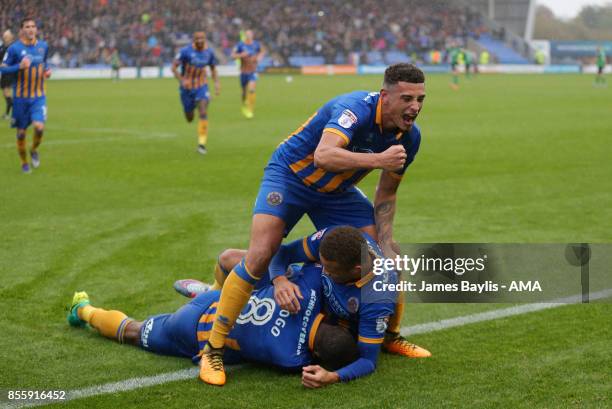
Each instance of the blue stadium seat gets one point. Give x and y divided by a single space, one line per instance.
301 61
394 57
504 54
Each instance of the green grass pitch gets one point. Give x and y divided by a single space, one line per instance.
123 205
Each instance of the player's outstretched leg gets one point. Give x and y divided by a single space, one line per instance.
36 140
266 236
244 108
111 324
21 150
202 126
250 100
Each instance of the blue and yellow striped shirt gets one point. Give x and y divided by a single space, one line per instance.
193 65
30 81
356 117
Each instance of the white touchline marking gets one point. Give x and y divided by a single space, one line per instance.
139 134
135 132
499 313
192 373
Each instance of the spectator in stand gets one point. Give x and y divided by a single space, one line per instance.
86 32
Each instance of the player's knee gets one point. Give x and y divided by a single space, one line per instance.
189 116
258 259
230 257
132 333
21 135
39 128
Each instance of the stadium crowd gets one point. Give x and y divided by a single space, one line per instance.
148 32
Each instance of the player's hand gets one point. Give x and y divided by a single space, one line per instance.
313 376
47 73
25 63
185 82
286 294
393 158
390 248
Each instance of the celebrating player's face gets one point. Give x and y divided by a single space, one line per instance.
403 102
29 30
199 39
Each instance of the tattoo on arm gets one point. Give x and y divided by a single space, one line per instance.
384 213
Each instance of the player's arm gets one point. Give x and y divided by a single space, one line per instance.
261 54
47 72
238 53
368 342
10 63
384 211
286 293
347 120
214 74
330 155
175 70
215 77
176 63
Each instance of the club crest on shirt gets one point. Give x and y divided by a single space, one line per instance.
381 324
353 305
347 119
274 198
318 235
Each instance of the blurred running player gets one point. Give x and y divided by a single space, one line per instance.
28 58
115 61
454 55
250 53
7 80
314 172
192 61
601 66
263 332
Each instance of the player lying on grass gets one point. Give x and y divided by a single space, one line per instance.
350 297
343 248
340 256
263 332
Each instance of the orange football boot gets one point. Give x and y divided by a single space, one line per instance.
211 366
394 343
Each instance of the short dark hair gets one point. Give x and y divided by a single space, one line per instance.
25 20
334 347
403 72
343 246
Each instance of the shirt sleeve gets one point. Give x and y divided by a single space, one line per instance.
348 117
238 48
371 335
213 59
46 65
299 251
10 58
180 57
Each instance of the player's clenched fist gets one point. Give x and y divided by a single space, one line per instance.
393 158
